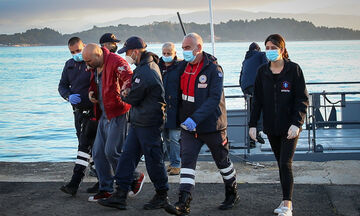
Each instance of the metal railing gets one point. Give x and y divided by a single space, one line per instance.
312 121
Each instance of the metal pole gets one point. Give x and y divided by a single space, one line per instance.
181 23
212 27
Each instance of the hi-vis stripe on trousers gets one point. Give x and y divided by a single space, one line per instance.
190 148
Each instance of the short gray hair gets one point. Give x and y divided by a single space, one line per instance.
169 45
195 37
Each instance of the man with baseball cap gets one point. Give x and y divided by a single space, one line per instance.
147 99
109 41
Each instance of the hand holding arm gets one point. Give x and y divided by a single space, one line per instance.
91 97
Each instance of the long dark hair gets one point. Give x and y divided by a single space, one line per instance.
278 41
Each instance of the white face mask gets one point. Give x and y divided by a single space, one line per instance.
129 59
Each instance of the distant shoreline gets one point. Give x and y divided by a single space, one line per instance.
206 42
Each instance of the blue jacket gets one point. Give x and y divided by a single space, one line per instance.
253 60
146 94
208 111
171 81
75 79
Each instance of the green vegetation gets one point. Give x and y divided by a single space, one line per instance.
240 30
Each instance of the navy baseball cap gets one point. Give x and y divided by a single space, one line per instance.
108 37
133 43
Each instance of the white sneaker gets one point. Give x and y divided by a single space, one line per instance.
285 211
278 209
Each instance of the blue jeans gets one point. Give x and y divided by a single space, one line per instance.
107 148
172 146
147 141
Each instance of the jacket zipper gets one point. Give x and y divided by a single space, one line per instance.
275 107
187 88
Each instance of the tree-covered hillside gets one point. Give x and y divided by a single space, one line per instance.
240 30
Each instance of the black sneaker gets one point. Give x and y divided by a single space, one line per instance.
160 200
93 189
69 189
99 196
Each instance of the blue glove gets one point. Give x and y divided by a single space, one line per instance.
189 124
74 98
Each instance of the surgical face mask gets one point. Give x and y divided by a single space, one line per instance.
167 59
78 57
129 59
272 55
188 55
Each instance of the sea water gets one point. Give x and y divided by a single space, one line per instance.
36 124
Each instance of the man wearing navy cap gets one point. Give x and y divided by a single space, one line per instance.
109 41
146 97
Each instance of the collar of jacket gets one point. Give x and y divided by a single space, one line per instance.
147 57
208 59
106 54
269 73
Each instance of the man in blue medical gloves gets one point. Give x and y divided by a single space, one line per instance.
202 112
73 87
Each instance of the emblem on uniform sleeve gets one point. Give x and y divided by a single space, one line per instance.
202 78
285 86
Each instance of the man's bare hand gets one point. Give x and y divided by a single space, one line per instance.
125 92
92 98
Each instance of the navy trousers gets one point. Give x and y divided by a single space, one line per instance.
147 141
190 145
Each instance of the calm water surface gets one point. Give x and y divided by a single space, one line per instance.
36 124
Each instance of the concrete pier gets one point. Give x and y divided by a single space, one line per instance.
321 188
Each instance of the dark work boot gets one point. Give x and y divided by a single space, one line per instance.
117 200
160 200
231 197
182 207
70 188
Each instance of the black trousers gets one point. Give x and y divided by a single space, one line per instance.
190 145
85 126
284 150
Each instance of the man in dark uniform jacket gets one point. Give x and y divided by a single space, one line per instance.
73 87
203 116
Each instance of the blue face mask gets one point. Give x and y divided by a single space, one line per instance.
272 55
188 55
167 59
78 57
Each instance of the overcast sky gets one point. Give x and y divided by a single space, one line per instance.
68 16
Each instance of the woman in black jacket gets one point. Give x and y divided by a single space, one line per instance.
281 94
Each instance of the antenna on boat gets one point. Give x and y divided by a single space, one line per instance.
182 25
212 27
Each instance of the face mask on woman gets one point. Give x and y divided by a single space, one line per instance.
272 55
129 59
